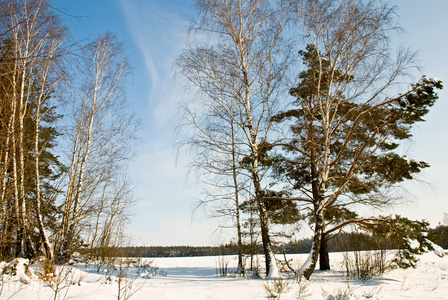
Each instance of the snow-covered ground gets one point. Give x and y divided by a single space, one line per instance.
197 278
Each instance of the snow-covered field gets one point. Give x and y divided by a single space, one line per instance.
197 278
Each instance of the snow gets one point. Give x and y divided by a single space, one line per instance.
196 278
273 272
436 248
436 80
414 244
411 160
19 267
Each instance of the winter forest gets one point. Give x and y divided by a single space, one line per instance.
294 116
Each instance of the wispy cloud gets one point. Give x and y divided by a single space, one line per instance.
160 35
164 211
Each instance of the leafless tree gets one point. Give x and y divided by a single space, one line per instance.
110 215
217 152
50 75
100 136
238 64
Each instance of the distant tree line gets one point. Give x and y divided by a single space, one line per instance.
440 235
353 241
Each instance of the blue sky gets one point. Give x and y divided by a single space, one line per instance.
154 32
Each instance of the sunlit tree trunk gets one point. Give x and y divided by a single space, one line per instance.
238 72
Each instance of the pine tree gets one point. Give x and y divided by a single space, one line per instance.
347 158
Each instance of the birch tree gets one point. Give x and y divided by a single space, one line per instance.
109 217
32 68
238 66
217 152
99 137
32 41
49 76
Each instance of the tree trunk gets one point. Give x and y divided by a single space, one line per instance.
308 267
324 258
8 202
271 264
40 224
240 268
253 238
15 180
85 130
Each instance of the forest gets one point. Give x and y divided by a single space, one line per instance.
66 135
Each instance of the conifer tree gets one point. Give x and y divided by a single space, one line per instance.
347 158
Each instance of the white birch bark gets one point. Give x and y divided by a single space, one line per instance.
241 67
101 133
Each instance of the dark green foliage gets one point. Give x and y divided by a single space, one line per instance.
362 141
346 154
409 237
414 105
300 246
378 238
281 210
360 128
359 240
